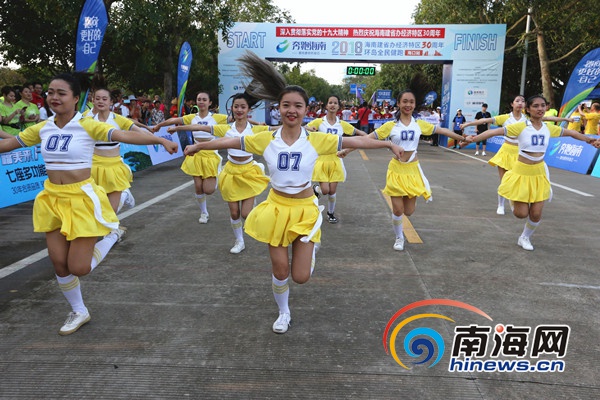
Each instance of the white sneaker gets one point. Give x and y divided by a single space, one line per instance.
120 232
525 243
500 210
203 218
477 153
129 200
399 244
283 323
73 322
237 247
483 153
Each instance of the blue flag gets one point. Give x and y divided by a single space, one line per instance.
584 78
93 21
183 71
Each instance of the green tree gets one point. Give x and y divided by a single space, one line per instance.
560 35
142 41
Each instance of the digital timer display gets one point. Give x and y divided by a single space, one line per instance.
369 71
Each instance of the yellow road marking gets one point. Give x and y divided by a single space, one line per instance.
409 230
363 155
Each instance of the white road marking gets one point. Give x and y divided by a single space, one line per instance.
14 267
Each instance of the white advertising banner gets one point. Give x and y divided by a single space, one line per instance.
476 52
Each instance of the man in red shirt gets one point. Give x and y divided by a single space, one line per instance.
37 95
363 117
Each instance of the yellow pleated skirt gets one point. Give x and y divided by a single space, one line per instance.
205 164
280 220
406 179
242 181
527 183
111 173
506 157
79 210
329 168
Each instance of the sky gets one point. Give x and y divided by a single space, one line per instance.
345 12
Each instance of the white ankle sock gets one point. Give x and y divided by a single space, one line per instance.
281 292
72 291
236 225
102 248
529 228
397 221
331 203
201 199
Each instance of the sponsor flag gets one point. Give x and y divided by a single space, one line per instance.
183 72
93 21
584 78
359 95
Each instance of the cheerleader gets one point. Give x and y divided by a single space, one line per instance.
290 216
72 209
108 168
405 180
329 169
507 155
242 178
205 166
527 183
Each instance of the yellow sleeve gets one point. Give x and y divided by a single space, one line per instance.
555 130
514 130
31 135
427 129
499 120
347 128
385 130
257 143
260 128
220 130
324 143
100 131
124 123
315 123
187 119
220 118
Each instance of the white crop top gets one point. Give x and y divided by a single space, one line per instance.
70 147
230 131
338 128
210 119
506 120
532 140
405 136
119 122
291 167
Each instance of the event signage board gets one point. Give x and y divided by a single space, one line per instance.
476 53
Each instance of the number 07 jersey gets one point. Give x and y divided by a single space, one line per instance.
291 166
405 136
532 140
70 147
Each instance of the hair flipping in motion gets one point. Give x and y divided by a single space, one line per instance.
266 82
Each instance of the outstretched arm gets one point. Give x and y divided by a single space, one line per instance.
135 137
170 121
556 119
485 135
365 142
580 136
5 135
476 122
449 133
193 127
217 144
9 144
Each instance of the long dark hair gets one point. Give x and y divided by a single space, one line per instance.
266 82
